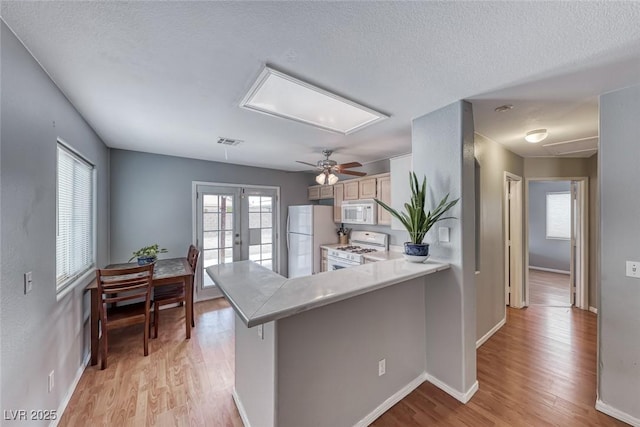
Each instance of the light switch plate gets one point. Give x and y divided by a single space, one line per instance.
28 282
443 234
633 269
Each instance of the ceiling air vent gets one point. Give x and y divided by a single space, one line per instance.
229 141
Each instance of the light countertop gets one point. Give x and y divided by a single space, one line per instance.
258 295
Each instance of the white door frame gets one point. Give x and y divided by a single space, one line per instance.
513 243
579 240
194 223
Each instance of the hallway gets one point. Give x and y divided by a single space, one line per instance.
549 289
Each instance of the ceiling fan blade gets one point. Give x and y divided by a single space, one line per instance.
308 164
349 165
354 173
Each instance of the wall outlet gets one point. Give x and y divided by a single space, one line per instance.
51 383
28 282
261 331
633 269
382 367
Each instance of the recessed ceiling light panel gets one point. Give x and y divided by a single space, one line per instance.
280 95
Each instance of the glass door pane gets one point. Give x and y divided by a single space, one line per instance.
261 235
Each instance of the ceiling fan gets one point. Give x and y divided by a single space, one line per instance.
328 169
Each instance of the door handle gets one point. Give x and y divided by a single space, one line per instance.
238 242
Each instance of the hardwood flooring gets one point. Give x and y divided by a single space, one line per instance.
181 382
551 289
538 370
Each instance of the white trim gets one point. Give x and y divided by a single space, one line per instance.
550 270
241 410
492 331
593 310
616 413
515 223
391 400
462 397
74 384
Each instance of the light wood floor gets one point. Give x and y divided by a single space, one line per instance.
546 288
181 382
538 370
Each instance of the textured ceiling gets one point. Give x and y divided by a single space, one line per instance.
167 77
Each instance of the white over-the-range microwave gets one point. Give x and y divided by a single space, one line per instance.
360 212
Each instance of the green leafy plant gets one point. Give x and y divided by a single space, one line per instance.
414 218
148 251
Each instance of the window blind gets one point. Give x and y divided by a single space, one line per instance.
559 215
75 222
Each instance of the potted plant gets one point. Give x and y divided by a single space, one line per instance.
148 254
416 220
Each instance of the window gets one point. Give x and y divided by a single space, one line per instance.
559 215
75 230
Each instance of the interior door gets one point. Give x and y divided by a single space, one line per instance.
234 223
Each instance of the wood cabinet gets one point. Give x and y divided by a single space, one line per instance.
313 192
351 190
338 196
367 188
326 191
384 194
400 185
323 259
317 192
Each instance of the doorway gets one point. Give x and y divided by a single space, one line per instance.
513 272
556 242
233 223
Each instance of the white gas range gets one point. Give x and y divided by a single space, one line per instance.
361 243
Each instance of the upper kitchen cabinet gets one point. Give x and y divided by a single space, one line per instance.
317 192
338 196
314 192
400 185
367 188
384 194
326 191
351 190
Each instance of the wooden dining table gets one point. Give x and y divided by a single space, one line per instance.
165 272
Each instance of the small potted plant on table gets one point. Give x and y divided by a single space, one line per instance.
416 220
148 254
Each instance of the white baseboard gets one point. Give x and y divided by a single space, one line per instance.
392 400
550 270
616 413
492 331
462 397
593 310
74 384
241 410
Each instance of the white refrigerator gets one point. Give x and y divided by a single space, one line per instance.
308 227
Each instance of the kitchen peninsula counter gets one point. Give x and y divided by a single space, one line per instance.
304 347
258 295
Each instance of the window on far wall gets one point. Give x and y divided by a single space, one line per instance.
75 229
559 215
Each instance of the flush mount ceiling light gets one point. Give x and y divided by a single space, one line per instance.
534 136
503 108
280 95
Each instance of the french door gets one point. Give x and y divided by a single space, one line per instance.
234 223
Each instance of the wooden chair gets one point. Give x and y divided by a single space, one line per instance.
124 284
173 294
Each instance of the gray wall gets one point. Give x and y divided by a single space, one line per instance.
555 167
619 311
546 253
161 186
442 147
319 349
39 334
493 160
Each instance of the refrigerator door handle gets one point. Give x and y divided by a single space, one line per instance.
288 218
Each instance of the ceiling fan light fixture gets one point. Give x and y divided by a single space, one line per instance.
535 136
280 95
320 179
332 179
